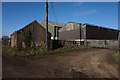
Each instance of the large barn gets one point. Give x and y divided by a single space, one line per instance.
31 35
89 34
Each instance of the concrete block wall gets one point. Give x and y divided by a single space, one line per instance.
102 43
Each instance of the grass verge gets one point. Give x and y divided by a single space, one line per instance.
116 57
8 50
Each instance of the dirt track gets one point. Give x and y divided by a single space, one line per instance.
92 63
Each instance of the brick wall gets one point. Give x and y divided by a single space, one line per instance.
38 35
14 40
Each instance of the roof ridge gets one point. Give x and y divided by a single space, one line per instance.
101 26
25 26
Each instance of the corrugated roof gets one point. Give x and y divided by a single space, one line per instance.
71 22
55 23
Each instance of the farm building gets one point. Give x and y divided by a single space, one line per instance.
53 28
91 35
32 35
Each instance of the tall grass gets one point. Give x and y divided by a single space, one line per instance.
10 51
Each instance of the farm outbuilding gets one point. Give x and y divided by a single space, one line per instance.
89 34
32 35
53 28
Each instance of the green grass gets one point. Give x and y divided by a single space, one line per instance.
10 51
7 50
116 57
65 49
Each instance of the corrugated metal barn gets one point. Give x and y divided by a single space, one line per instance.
90 34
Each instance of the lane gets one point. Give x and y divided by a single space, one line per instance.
95 63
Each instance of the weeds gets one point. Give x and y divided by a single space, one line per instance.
10 51
116 57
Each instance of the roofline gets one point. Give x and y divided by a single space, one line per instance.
24 27
71 22
13 33
100 26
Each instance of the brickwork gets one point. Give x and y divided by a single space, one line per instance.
38 36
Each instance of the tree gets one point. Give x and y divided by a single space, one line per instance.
5 37
5 40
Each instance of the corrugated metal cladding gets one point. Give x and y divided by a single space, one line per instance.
69 35
72 31
70 26
53 28
99 33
